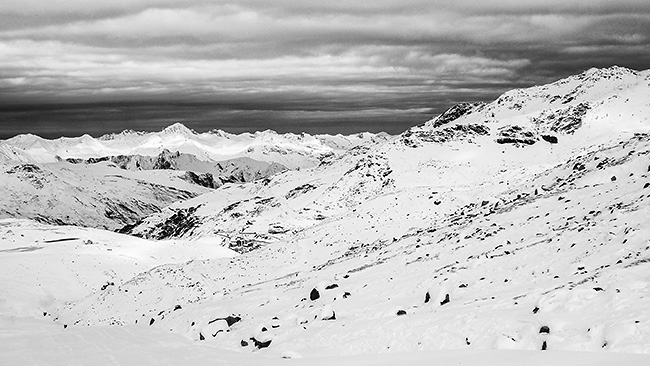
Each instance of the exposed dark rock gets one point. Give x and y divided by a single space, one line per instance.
445 301
314 295
151 321
346 295
544 347
401 312
544 329
300 190
332 317
550 139
332 286
412 137
566 120
230 320
427 297
277 229
513 134
243 343
259 344
204 179
176 225
455 112
535 310
201 337
578 166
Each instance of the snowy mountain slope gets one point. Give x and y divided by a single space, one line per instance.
290 150
88 195
454 235
592 107
30 342
42 265
237 170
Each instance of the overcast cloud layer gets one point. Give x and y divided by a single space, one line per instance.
294 65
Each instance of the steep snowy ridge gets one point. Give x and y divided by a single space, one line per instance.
519 224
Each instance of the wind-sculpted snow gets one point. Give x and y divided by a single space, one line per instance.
443 238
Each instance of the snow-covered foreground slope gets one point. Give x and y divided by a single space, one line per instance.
290 150
30 342
515 225
41 265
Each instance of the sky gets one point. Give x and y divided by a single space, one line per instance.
69 67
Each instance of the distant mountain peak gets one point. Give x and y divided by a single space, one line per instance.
179 128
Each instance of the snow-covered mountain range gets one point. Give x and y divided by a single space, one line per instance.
290 150
519 224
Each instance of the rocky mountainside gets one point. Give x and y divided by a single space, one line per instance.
93 196
205 173
515 224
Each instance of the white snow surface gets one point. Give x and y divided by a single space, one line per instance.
440 246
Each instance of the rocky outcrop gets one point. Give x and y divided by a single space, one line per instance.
414 137
453 113
565 120
514 134
204 173
181 222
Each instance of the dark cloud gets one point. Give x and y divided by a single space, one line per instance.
327 63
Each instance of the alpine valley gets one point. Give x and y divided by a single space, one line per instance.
493 233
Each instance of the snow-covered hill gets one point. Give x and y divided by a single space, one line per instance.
290 150
215 174
98 195
519 224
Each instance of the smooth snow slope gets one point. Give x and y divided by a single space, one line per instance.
41 265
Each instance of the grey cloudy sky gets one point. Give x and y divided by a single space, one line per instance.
314 66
